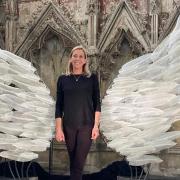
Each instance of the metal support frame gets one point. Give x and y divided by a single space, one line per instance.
51 156
18 174
141 176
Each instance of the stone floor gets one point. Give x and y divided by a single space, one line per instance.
118 178
32 178
163 178
152 178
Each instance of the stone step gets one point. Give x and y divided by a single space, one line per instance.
150 178
31 178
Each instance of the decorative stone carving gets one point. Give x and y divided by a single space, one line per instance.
92 12
122 18
49 54
162 23
11 8
11 11
54 18
2 44
145 20
113 53
92 7
94 59
41 9
155 7
169 21
133 4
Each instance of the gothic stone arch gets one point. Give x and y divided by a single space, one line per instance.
54 18
122 33
122 49
47 44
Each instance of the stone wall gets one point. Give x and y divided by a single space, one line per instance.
113 31
98 158
27 11
2 32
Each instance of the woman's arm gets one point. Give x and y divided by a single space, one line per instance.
97 119
97 107
59 130
59 99
95 130
59 111
96 96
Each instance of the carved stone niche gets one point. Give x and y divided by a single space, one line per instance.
49 54
155 7
116 55
2 26
93 59
162 23
2 42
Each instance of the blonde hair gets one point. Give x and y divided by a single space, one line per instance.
86 71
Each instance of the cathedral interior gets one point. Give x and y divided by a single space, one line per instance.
112 31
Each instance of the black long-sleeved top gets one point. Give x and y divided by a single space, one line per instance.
77 101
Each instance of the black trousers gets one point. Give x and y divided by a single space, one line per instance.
78 142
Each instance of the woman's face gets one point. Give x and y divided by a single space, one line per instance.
78 59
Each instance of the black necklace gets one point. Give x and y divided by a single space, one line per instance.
76 78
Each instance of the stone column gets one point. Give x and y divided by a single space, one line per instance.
1 41
154 30
93 13
176 127
11 20
154 13
94 60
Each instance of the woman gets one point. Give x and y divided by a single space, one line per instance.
77 110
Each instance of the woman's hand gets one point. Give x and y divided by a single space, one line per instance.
60 136
95 133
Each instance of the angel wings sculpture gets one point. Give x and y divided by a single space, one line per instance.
143 102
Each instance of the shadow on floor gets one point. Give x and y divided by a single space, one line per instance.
33 169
